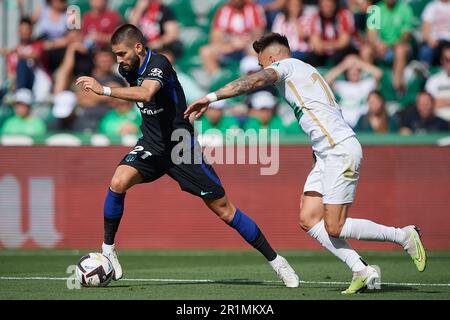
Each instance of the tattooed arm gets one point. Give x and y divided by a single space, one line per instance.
248 84
237 87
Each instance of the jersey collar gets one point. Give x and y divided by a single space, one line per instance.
146 60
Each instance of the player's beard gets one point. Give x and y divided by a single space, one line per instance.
134 64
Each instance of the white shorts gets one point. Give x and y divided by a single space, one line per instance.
336 172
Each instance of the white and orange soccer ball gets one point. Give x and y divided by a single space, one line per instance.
94 270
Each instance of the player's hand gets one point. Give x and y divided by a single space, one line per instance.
89 83
197 108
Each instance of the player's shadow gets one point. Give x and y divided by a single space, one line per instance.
386 288
240 282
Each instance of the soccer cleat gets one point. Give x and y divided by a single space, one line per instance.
285 272
368 278
415 248
110 252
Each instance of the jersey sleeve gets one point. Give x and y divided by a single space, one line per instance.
283 69
159 69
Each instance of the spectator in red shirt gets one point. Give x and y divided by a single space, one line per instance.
236 25
332 30
99 23
294 23
158 24
25 57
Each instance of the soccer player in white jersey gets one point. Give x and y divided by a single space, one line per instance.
330 187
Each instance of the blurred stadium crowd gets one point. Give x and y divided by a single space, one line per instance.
387 61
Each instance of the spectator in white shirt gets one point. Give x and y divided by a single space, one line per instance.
354 90
438 86
435 29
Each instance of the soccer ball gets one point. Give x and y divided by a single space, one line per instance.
94 270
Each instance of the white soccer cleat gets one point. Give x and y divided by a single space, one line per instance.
110 252
285 272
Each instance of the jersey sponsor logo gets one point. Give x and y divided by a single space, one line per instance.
156 72
204 193
130 157
148 111
151 112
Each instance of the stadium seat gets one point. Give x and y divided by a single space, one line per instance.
386 86
209 17
83 4
414 86
183 12
193 39
100 140
16 140
63 139
417 7
123 7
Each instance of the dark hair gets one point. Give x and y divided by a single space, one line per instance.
26 19
333 19
268 39
129 33
445 46
378 93
286 11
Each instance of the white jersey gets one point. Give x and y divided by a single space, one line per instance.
313 102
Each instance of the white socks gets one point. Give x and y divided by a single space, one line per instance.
339 247
106 248
362 229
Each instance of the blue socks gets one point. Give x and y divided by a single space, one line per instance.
250 231
114 204
246 227
113 210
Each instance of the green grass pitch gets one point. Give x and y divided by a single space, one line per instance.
219 275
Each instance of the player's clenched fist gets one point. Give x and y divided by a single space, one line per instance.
89 83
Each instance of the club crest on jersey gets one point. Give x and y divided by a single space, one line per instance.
130 157
156 72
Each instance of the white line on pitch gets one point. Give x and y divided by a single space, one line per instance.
236 281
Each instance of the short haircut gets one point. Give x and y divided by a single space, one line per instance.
129 33
269 39
26 20
445 46
426 93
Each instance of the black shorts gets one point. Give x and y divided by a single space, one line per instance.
197 178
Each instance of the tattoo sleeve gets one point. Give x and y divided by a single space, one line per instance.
248 84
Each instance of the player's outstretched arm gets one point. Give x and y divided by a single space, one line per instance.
144 93
237 87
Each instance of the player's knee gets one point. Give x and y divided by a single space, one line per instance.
225 212
304 221
222 208
333 230
119 184
308 220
